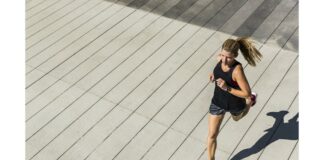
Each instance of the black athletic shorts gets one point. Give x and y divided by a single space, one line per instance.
216 110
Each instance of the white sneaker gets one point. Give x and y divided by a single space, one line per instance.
254 98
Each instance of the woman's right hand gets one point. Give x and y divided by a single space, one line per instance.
211 77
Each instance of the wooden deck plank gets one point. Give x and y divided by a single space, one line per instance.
295 154
84 68
39 8
133 150
33 127
66 24
80 27
150 107
285 137
49 112
257 18
173 136
58 58
57 16
164 71
100 48
63 98
284 9
293 43
192 146
28 75
255 138
219 155
176 84
240 16
33 3
41 30
124 50
150 49
285 29
36 106
62 147
71 40
49 12
59 91
179 53
271 48
136 121
114 52
70 50
28 68
79 129
42 87
34 75
35 80
52 8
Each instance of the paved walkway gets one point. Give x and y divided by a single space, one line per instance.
128 79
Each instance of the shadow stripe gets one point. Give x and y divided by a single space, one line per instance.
257 18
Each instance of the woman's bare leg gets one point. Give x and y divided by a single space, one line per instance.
214 122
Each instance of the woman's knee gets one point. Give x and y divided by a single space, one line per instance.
235 118
212 136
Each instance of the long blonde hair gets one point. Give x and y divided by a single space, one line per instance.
250 53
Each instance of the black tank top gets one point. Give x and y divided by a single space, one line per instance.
222 98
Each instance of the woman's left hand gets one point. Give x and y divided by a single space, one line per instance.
221 84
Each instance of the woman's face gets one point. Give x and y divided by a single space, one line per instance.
227 57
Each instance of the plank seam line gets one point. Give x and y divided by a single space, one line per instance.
55 11
75 40
49 5
76 28
295 147
57 18
65 24
35 5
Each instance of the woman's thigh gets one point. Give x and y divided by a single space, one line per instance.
214 122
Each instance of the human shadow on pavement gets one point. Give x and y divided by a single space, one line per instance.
279 130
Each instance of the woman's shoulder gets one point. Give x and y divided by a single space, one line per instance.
238 67
238 70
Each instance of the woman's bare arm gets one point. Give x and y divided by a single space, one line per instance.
240 78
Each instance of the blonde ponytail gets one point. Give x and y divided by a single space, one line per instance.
250 53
